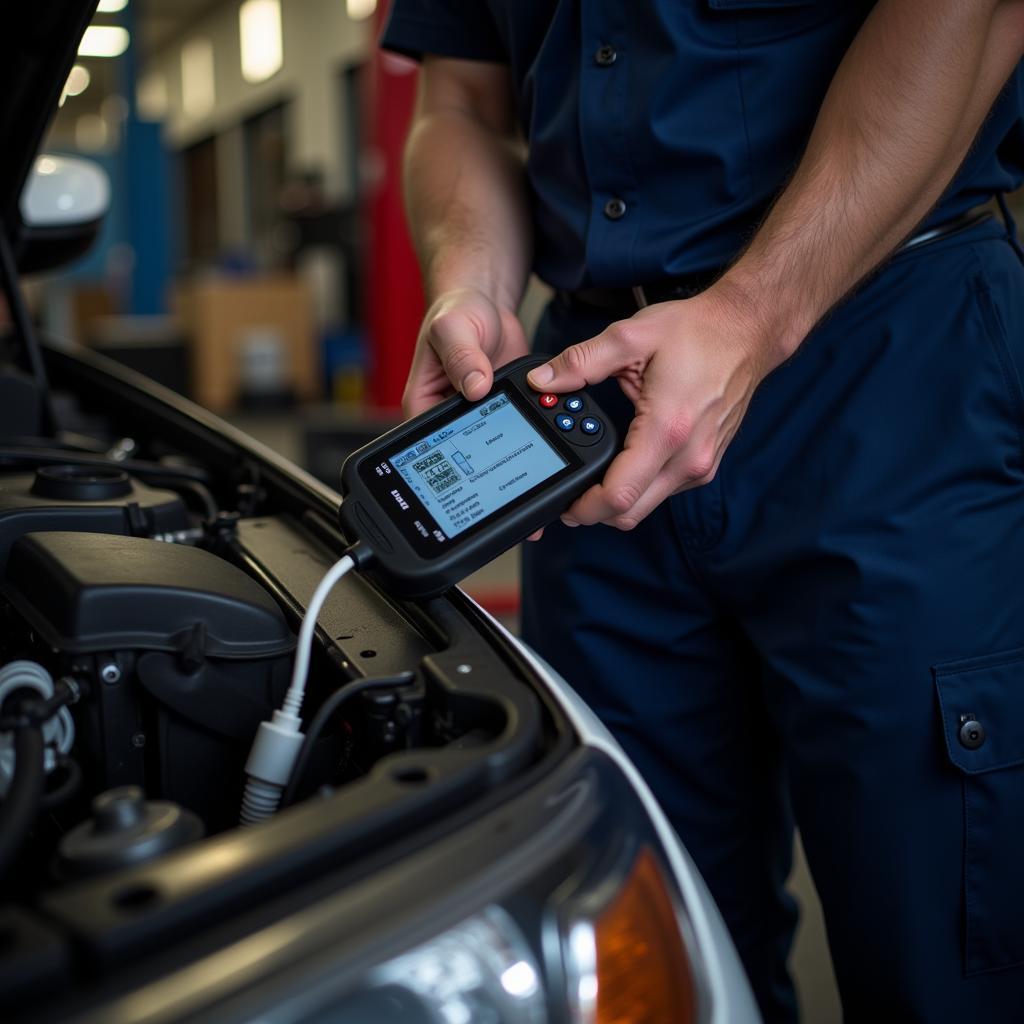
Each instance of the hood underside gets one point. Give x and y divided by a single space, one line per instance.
38 45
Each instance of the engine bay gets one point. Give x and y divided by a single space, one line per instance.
150 603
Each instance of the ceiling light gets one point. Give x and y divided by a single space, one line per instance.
104 41
259 22
360 9
198 91
77 82
111 6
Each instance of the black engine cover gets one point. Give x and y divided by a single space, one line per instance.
95 592
201 655
98 501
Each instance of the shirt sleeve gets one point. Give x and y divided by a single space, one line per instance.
444 28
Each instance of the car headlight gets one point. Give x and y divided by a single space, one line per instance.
478 972
617 940
565 905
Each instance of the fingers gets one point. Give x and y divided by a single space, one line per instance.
427 383
463 335
657 461
459 337
677 476
589 362
630 474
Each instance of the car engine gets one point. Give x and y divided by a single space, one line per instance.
155 569
144 660
162 655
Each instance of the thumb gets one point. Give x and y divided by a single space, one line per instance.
460 338
589 362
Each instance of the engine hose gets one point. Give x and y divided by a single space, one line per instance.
24 795
199 492
66 789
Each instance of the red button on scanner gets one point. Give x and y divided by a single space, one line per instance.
548 401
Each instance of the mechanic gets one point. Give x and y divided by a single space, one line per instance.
768 213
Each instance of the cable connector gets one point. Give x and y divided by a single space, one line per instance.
269 767
279 740
361 554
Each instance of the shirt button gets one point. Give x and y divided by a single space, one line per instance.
605 56
972 732
614 209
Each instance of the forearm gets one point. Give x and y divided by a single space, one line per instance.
467 207
898 119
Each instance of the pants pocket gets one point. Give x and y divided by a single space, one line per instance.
995 328
981 701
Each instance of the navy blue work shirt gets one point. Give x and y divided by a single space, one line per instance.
660 130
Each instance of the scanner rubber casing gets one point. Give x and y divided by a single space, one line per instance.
408 573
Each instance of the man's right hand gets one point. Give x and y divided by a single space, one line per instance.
464 338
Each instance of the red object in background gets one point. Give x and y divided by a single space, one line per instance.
394 299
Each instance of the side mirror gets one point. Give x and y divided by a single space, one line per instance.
62 207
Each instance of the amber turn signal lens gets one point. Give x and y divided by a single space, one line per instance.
643 971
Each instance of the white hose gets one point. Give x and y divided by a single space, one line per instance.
58 731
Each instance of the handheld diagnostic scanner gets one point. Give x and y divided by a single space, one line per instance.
451 489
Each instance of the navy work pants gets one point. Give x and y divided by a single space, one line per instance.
806 637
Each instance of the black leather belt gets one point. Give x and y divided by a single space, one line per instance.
627 301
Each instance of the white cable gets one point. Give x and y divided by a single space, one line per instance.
58 731
279 740
297 690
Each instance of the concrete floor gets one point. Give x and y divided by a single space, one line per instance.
496 586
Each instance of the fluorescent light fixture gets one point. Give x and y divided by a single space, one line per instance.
360 9
111 6
259 23
104 41
198 91
78 81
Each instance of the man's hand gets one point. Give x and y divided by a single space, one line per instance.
690 368
464 337
899 117
468 214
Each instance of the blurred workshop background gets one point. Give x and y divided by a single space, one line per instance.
255 257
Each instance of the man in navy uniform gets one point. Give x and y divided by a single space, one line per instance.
763 221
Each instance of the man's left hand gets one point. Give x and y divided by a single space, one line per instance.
690 368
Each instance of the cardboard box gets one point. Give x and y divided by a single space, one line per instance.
220 313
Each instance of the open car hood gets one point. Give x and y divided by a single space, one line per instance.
38 45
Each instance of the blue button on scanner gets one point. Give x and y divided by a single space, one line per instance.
590 426
564 422
574 403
